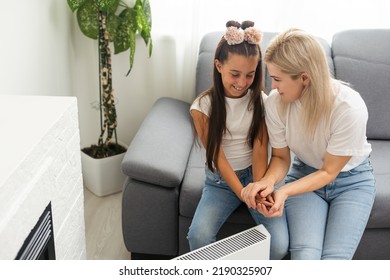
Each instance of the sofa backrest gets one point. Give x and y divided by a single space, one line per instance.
362 58
204 70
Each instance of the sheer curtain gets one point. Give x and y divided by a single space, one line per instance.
185 22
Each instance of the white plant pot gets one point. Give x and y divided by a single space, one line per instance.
103 176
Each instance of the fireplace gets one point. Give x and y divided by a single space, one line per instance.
39 244
41 184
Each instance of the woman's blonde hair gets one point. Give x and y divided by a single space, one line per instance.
295 52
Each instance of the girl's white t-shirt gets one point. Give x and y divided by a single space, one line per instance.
344 136
238 120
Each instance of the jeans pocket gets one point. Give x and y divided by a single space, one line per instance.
214 176
363 167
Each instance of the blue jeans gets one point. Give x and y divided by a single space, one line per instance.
218 201
329 222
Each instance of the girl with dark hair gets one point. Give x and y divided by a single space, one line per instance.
229 122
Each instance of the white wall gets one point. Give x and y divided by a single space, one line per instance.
34 48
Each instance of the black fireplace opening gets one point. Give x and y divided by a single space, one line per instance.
39 244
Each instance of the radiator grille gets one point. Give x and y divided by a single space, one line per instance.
226 246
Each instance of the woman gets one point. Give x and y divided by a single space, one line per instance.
330 188
229 122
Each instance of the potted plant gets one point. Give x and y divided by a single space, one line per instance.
109 21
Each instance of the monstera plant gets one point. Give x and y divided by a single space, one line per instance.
111 22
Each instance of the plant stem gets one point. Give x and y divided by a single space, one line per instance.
108 102
100 141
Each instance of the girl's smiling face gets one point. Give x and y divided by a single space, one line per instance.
289 89
237 73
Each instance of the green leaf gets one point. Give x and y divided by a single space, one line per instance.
147 12
150 47
75 4
107 5
132 52
145 19
125 35
145 32
87 18
128 17
139 16
112 25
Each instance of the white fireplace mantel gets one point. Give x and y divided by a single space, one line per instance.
40 163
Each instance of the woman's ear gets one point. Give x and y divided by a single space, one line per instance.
305 78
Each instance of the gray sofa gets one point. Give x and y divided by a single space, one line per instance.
165 170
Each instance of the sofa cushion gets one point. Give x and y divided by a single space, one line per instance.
204 67
159 151
362 58
380 156
193 182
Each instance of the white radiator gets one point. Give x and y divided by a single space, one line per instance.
251 244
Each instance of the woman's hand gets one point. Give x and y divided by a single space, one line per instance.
258 193
276 210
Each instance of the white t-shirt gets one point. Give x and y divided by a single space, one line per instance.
238 120
344 136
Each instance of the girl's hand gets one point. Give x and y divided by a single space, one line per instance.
268 201
261 189
276 210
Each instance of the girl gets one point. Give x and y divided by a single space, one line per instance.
229 122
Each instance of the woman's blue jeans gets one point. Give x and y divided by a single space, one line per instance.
218 202
329 223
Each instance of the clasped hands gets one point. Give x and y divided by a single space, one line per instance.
262 196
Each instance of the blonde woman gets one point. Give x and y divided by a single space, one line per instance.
330 188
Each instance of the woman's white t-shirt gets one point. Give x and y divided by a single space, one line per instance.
344 136
238 120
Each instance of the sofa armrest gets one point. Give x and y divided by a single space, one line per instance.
159 151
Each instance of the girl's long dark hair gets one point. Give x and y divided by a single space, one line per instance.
217 119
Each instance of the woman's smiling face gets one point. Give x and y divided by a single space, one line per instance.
237 73
289 89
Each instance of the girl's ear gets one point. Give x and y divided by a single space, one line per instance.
218 65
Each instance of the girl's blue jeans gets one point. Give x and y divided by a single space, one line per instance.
329 222
218 202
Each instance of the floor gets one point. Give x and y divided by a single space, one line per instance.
103 227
